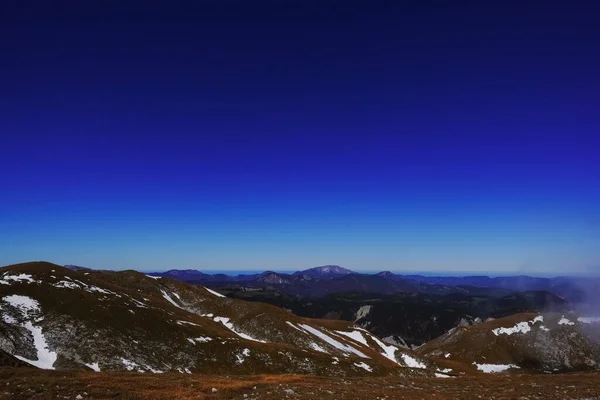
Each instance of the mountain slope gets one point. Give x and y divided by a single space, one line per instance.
54 317
549 342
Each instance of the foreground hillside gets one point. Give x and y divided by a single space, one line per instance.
58 318
19 384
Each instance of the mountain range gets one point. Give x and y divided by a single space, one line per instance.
583 292
54 317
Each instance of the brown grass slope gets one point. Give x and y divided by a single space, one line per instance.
118 321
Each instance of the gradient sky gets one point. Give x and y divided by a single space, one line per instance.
377 135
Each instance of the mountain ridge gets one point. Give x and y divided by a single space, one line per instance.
54 317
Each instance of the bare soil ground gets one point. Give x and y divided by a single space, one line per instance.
26 383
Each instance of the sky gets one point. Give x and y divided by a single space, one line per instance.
232 135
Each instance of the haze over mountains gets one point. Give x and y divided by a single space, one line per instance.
330 279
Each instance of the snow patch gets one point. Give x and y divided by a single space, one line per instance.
438 375
565 321
215 293
389 351
66 285
153 277
93 366
332 341
24 304
28 307
412 362
364 366
169 299
8 278
186 323
294 326
316 347
354 335
521 327
138 303
240 358
200 339
229 325
129 365
494 368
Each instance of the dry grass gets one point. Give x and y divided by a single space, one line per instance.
24 383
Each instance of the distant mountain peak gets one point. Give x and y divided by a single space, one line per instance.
386 274
332 269
326 271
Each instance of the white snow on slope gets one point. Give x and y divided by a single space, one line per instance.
494 368
92 288
354 335
77 284
332 341
318 348
589 320
200 339
294 326
312 345
229 325
521 327
565 321
153 277
186 323
94 366
46 358
438 375
215 293
66 285
130 365
24 304
27 306
364 366
7 278
169 299
389 351
138 303
240 358
412 362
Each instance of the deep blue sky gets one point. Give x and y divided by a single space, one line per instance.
432 136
